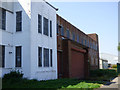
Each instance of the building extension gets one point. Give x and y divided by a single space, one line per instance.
77 52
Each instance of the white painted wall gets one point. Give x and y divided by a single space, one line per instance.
29 39
43 41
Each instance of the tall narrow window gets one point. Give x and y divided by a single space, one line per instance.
40 56
19 21
39 23
57 28
68 33
3 19
51 57
73 36
88 43
46 57
45 26
85 42
50 28
2 56
62 30
78 40
18 56
82 41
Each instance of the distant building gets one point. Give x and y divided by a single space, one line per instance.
112 59
103 64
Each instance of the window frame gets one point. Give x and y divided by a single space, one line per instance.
18 64
51 57
3 19
39 56
39 23
46 64
18 21
51 28
45 26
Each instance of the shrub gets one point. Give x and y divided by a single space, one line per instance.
114 66
103 72
13 75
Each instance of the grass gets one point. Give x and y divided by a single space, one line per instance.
98 77
58 84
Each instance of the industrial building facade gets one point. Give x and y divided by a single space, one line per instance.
77 52
42 45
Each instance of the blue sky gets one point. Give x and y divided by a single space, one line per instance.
94 17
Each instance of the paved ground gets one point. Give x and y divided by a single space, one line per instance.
113 85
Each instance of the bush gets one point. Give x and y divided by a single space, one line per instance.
114 66
13 75
103 72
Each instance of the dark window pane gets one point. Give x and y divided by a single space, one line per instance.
51 57
82 41
57 28
3 19
85 42
18 21
39 56
78 38
2 56
39 24
68 33
62 31
50 28
46 57
18 56
45 26
73 36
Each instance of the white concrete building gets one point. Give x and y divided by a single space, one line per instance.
103 64
28 39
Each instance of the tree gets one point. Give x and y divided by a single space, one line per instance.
119 47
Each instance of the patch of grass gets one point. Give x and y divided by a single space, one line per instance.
58 84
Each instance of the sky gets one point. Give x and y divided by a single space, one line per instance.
94 17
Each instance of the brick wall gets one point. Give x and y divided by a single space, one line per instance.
75 34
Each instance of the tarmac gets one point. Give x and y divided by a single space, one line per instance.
113 85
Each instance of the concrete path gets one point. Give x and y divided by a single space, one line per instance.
113 85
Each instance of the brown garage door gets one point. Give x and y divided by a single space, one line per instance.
77 63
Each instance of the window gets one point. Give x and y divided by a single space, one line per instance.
45 26
73 36
50 28
51 57
39 23
39 56
62 31
2 56
82 40
57 28
19 21
68 33
85 42
78 38
18 56
88 43
46 57
3 19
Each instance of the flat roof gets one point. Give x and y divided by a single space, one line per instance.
51 5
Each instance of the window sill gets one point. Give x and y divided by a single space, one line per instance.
6 31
